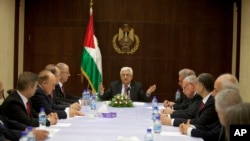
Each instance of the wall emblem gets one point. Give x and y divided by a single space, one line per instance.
126 42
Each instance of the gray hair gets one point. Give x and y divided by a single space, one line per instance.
126 68
186 72
191 79
227 97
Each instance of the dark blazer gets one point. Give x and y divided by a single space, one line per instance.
60 98
136 91
14 109
206 116
206 121
10 129
183 104
190 111
209 132
40 99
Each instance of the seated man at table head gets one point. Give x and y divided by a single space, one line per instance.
57 99
60 91
46 85
183 102
127 85
11 129
17 105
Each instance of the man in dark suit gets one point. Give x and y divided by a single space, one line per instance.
18 100
55 97
189 88
184 102
126 86
206 123
60 93
47 82
224 100
11 129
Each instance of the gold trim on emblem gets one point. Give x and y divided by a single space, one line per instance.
126 42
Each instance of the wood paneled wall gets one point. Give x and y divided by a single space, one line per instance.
173 34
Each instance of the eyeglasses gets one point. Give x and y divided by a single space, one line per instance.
184 87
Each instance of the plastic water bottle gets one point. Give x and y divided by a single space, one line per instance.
42 118
92 105
155 113
177 95
149 136
154 102
23 136
30 134
157 125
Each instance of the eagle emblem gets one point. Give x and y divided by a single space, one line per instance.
126 42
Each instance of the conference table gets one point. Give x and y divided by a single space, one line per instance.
130 123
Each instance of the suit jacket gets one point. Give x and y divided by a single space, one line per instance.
206 121
10 129
14 108
209 132
63 98
206 116
136 91
183 104
40 99
190 111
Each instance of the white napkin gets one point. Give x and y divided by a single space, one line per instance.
103 109
120 138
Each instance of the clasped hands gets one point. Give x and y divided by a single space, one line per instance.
165 120
167 103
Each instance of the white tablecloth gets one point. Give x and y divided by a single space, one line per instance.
130 122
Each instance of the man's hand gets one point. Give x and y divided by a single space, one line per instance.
167 110
167 103
151 89
40 134
73 112
165 120
75 106
101 89
184 127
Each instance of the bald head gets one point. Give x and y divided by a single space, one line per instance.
224 81
47 81
64 69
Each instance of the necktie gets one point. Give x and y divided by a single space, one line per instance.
62 89
126 89
201 106
28 108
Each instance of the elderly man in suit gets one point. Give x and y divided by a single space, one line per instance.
19 102
60 92
126 85
46 85
189 88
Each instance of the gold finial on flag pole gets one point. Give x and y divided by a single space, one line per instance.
91 3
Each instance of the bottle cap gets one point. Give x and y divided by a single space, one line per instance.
148 130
